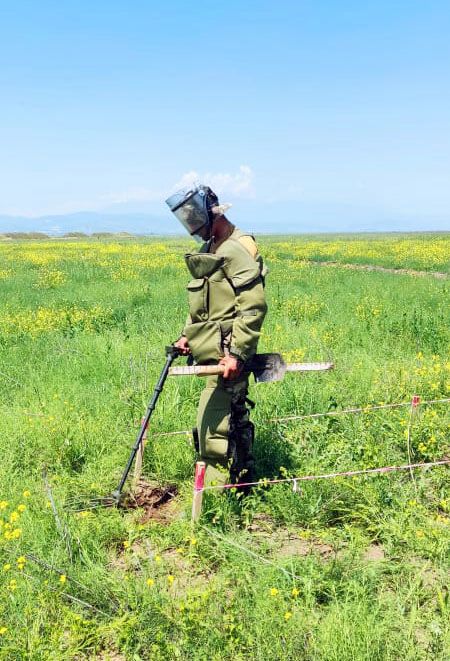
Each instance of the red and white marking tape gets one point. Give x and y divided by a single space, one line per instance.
414 402
367 471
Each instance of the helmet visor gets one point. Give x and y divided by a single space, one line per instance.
190 209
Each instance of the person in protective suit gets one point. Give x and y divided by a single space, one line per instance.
227 307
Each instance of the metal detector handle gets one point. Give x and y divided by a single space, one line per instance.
172 353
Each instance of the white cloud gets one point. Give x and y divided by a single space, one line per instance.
239 184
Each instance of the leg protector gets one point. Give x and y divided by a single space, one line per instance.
195 439
241 438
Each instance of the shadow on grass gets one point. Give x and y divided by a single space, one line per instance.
271 451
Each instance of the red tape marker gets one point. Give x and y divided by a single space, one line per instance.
199 478
197 496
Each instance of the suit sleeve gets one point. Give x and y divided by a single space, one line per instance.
186 323
244 273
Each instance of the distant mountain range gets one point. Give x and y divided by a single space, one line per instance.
89 222
277 217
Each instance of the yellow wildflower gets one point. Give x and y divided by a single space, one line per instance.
193 541
126 544
21 507
150 582
170 579
21 560
158 559
273 592
6 567
288 615
3 504
442 519
84 514
14 516
63 578
295 592
3 630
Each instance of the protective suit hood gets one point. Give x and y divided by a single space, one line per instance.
193 207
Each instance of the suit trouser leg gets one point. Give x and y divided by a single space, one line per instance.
225 431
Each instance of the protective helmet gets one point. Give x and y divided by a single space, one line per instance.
193 208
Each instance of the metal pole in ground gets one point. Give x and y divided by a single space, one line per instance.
197 495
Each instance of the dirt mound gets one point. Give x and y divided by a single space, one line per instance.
157 501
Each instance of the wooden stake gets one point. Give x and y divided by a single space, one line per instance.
197 496
140 457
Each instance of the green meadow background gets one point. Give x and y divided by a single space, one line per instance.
350 568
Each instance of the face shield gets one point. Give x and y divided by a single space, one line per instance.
190 207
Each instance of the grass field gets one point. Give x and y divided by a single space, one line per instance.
347 569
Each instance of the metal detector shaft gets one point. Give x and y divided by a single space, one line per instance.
172 354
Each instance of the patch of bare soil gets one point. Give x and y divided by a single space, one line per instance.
373 553
430 576
288 544
109 655
187 577
158 501
293 545
262 525
130 559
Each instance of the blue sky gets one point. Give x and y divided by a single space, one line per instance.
295 111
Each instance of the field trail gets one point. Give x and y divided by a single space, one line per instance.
383 269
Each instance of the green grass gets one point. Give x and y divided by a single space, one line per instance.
83 326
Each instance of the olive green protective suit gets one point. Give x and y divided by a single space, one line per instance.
227 307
